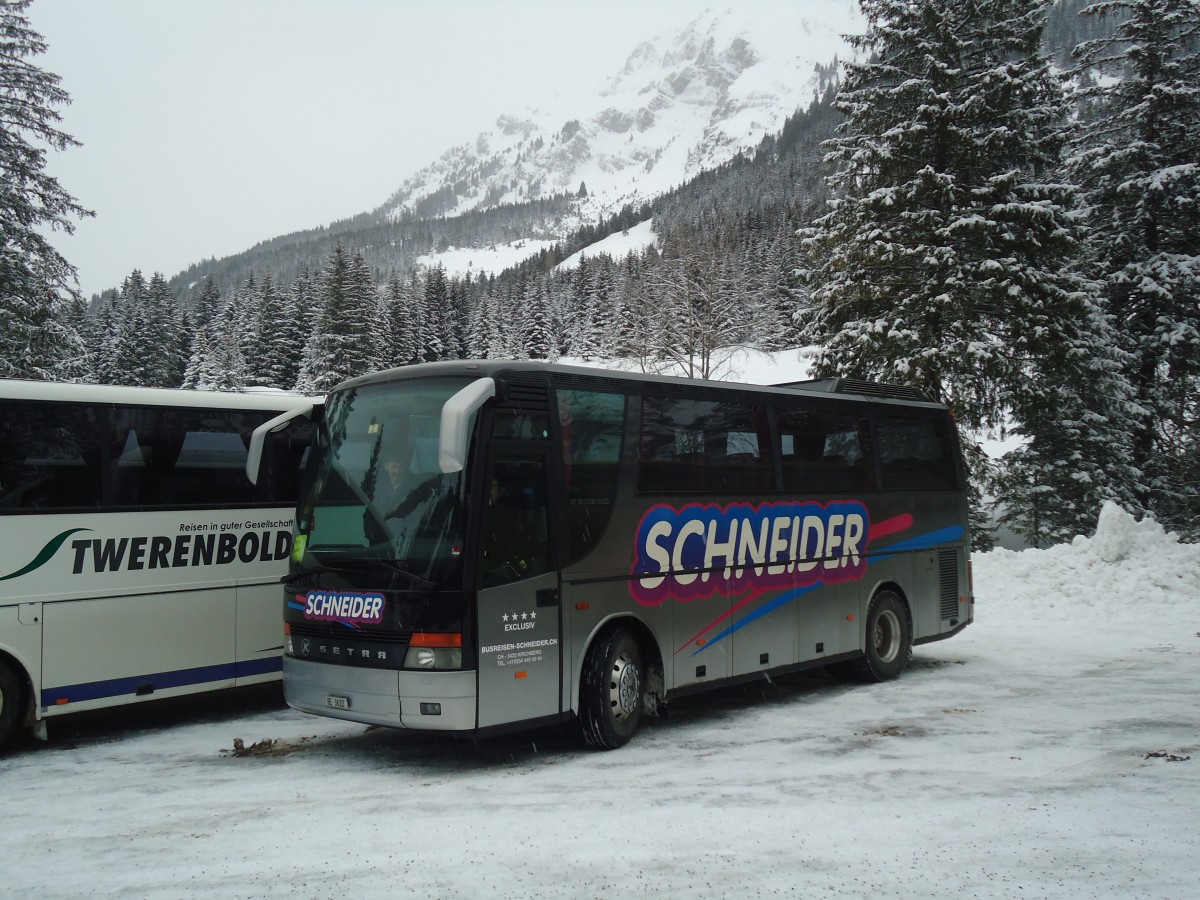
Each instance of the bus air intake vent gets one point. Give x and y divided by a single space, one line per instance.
526 397
880 389
948 582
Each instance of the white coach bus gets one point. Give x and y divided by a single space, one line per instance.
136 559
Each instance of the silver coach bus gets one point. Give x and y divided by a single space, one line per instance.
483 546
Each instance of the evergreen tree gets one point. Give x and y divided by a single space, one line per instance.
344 341
166 340
484 334
224 366
36 282
946 261
435 336
133 342
536 336
1137 157
402 322
78 366
276 351
196 369
458 317
208 303
102 339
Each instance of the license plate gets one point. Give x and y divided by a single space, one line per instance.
337 702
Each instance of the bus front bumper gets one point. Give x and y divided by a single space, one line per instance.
428 701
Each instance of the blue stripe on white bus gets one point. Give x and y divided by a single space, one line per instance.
116 687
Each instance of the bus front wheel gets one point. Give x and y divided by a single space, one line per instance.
611 688
889 639
11 707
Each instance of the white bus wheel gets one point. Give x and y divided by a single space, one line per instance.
611 688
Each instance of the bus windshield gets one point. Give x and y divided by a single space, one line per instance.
375 491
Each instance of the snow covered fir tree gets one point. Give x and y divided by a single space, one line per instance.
1137 159
39 299
997 203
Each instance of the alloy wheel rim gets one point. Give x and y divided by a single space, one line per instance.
624 687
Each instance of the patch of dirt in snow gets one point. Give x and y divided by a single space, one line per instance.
266 747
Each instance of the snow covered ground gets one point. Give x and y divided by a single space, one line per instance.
1050 750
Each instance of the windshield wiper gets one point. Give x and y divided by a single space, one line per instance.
362 564
396 567
317 569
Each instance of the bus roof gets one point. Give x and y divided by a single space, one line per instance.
63 392
850 389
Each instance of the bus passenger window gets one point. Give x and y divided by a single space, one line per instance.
179 457
703 446
592 425
825 451
915 453
50 456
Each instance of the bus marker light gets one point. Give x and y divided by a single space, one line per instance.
61 701
435 639
431 709
582 606
520 674
287 629
850 618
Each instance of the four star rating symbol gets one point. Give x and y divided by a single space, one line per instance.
519 617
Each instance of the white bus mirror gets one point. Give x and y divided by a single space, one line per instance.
279 423
456 423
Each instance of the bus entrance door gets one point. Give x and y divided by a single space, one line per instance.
519 653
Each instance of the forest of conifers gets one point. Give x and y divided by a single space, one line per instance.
998 203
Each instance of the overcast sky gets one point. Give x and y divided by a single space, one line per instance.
210 125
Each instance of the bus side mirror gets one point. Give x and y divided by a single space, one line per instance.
259 438
456 423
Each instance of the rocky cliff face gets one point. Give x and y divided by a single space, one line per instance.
683 102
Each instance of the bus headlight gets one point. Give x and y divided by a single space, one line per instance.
433 658
434 651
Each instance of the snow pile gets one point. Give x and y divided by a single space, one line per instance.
1128 569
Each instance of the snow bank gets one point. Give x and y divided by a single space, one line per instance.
1127 570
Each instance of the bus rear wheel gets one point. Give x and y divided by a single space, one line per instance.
610 692
889 640
11 706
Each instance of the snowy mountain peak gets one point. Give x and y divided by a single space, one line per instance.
684 101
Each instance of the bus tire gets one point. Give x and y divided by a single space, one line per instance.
889 640
11 702
610 692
